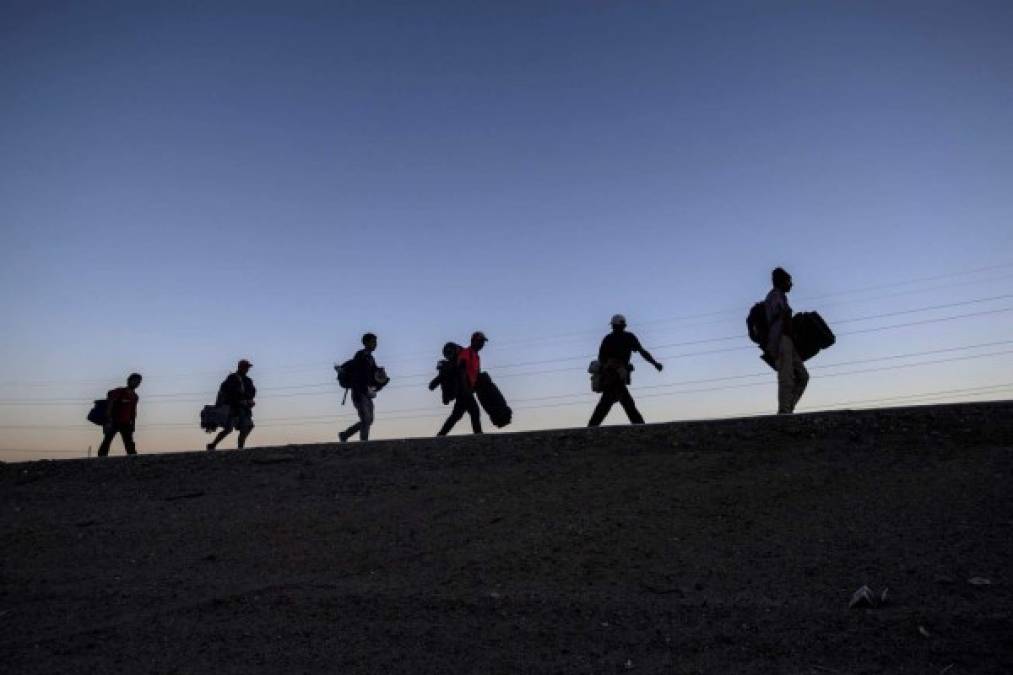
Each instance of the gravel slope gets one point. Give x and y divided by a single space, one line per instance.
712 547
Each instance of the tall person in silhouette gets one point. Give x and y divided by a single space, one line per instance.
792 376
468 368
121 416
614 360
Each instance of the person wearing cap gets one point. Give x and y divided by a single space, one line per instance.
237 392
366 381
614 356
121 416
468 368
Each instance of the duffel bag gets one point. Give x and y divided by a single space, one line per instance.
99 413
214 417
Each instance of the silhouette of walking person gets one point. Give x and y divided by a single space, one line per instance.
614 359
366 380
237 392
121 416
468 368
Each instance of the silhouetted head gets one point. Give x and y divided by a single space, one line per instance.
478 340
369 342
450 351
781 279
618 323
134 381
244 367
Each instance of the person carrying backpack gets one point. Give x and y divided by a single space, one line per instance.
468 368
361 374
792 376
614 362
121 416
237 392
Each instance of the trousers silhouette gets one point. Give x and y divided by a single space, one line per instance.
364 407
792 376
465 403
126 431
614 390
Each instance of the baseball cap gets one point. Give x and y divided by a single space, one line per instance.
244 362
479 335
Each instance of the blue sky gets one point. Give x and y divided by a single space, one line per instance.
188 185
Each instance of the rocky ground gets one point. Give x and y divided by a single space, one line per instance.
711 547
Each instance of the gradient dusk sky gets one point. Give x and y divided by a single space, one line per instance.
188 183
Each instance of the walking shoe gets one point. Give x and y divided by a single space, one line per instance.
342 437
210 447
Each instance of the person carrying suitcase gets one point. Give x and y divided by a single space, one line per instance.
792 376
614 358
468 368
237 392
121 416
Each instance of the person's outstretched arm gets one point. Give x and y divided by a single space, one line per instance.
647 356
650 359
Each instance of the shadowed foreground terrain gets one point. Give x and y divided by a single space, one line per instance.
725 546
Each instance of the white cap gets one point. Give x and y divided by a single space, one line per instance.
618 320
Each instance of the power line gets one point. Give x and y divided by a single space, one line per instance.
393 415
741 336
802 298
67 401
398 414
986 390
295 367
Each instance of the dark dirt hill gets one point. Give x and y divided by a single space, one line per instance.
727 546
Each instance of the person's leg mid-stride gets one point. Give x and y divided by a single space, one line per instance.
364 407
465 403
792 377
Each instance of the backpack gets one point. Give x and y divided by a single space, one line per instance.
345 373
225 396
451 350
756 324
446 369
99 413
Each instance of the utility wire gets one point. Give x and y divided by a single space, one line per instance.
986 390
296 367
741 336
44 401
399 414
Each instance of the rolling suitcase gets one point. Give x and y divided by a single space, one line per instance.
492 401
